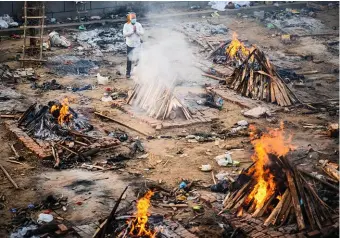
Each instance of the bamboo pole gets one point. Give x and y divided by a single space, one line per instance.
120 123
9 177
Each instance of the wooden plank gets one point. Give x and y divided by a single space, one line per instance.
259 212
121 123
213 77
277 209
9 177
296 201
283 214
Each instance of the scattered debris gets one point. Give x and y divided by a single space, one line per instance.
66 64
57 40
104 41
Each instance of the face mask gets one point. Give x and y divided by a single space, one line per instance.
133 21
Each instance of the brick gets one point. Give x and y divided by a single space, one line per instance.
247 228
301 235
315 233
274 233
291 236
258 234
62 227
251 234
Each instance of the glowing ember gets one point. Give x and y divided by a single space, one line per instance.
236 49
274 143
64 113
139 224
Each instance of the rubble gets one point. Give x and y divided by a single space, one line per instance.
294 22
11 101
102 40
68 64
204 29
53 85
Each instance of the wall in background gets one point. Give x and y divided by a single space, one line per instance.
64 9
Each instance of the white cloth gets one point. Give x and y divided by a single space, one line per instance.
133 38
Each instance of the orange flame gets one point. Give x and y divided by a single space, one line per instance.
139 224
272 142
64 113
236 49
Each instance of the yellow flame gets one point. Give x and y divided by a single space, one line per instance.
235 47
139 223
64 114
273 142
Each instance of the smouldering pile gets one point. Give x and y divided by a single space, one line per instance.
277 191
53 121
158 101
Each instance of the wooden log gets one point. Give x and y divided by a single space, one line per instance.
277 209
288 215
10 116
315 195
320 180
14 151
23 117
331 171
226 198
213 77
121 123
284 213
238 195
9 177
304 198
240 201
296 201
259 211
56 156
102 231
80 143
174 205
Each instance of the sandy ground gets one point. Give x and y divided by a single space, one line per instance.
164 164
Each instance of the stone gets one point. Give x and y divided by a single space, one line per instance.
257 112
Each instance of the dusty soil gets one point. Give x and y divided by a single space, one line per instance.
164 165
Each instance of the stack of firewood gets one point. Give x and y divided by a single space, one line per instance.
294 199
257 78
158 101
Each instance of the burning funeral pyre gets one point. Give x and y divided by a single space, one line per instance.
257 78
54 121
56 131
137 225
254 76
272 189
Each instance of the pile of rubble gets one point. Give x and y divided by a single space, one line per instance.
68 64
294 21
204 28
8 75
101 41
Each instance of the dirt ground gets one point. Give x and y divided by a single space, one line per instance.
164 165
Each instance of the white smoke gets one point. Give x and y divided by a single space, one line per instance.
164 59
